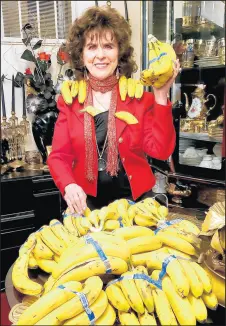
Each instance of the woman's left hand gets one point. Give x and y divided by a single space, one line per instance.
161 94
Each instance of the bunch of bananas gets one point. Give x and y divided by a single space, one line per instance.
161 65
72 88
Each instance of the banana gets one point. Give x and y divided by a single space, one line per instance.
123 87
49 238
110 225
129 118
141 259
173 269
81 91
187 226
210 300
83 225
133 232
28 245
163 308
61 233
181 306
91 110
131 87
93 218
189 237
163 211
139 90
177 243
147 319
49 319
151 201
177 253
215 243
128 318
203 277
122 207
56 258
48 303
72 308
196 285
222 233
87 269
46 265
32 262
66 91
41 250
98 308
199 308
144 244
117 298
87 212
74 88
144 289
131 293
142 221
68 220
131 213
107 318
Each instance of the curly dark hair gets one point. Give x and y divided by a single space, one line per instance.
96 21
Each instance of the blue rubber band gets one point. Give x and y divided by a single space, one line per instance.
99 250
131 202
164 266
167 223
55 223
157 58
84 302
120 222
137 276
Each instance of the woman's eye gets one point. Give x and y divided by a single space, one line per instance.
108 46
92 47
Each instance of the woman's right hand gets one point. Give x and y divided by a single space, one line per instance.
75 198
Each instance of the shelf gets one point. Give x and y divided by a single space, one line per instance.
195 179
198 67
199 136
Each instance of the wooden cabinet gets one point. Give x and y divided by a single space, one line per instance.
28 200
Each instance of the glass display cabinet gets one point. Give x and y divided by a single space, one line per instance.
196 29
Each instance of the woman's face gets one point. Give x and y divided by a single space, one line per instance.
100 55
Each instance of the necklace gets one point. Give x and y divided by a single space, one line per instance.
100 103
102 164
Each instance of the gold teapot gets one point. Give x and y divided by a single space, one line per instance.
197 112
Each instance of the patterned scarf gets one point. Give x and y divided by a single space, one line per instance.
103 86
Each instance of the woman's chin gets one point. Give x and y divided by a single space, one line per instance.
101 75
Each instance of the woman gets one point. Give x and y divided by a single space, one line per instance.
97 160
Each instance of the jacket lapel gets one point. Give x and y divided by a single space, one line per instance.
76 107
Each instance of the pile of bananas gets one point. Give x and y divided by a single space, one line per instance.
161 65
127 86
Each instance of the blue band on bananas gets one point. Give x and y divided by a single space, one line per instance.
165 263
157 58
84 302
168 223
99 250
120 222
137 276
55 223
131 202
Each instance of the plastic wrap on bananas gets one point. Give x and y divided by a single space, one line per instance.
161 57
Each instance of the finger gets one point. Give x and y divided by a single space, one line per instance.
82 199
76 203
73 202
69 203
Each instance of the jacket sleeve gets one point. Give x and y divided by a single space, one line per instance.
61 157
159 133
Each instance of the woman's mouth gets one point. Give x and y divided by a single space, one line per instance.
101 65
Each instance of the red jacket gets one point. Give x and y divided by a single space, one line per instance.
153 135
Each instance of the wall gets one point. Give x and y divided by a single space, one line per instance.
10 53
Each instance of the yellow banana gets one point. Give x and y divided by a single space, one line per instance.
91 110
49 238
139 90
133 232
110 225
46 265
131 213
81 91
189 237
117 298
28 244
143 221
163 211
173 269
215 243
108 318
144 244
74 88
210 300
177 243
128 318
69 223
123 87
92 289
61 233
131 87
196 286
144 289
66 92
98 308
203 277
56 258
147 319
41 250
131 293
163 308
122 207
89 268
87 212
83 225
199 308
129 118
48 303
32 262
93 218
177 253
187 226
141 259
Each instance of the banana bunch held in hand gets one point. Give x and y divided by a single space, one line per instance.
161 63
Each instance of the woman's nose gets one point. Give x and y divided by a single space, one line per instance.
100 52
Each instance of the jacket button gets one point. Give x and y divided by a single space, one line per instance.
123 159
130 177
120 140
